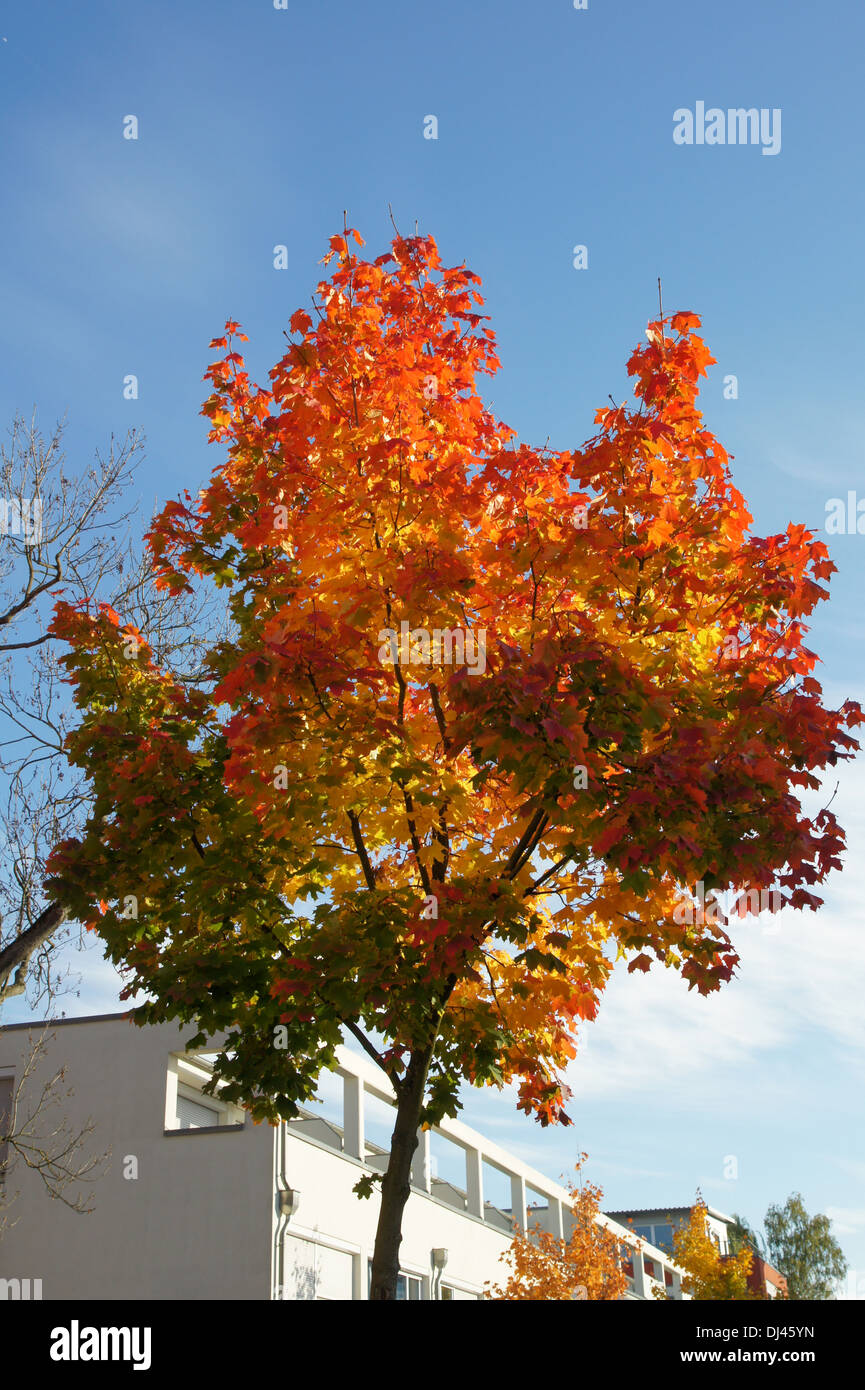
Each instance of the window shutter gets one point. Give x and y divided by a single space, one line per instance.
191 1114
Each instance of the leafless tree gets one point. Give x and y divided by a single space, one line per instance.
70 535
62 534
35 1132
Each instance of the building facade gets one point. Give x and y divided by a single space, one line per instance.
198 1202
657 1225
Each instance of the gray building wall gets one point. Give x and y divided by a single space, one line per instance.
197 1221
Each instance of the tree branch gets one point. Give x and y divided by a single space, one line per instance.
368 871
16 956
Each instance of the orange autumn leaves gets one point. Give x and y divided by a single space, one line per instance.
403 848
590 1263
587 1265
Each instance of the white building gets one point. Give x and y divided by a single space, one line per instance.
658 1224
198 1202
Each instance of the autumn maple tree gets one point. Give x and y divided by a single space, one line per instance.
485 713
707 1274
585 1265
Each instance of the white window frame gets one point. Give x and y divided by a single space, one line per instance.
186 1078
453 1287
405 1273
319 1242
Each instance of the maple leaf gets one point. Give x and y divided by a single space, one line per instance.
640 962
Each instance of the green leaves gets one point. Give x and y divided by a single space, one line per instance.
542 960
365 1186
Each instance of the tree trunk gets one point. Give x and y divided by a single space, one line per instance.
396 1184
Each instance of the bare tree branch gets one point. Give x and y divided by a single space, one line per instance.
35 1132
77 543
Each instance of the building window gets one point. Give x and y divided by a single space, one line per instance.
408 1286
194 1114
188 1107
311 1272
664 1238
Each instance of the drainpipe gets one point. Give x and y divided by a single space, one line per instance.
439 1259
283 1214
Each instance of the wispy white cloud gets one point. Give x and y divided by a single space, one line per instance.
847 1221
801 974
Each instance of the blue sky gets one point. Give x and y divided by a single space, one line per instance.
257 127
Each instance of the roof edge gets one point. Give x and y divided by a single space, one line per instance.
61 1022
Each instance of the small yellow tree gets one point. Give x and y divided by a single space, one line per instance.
708 1273
588 1265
